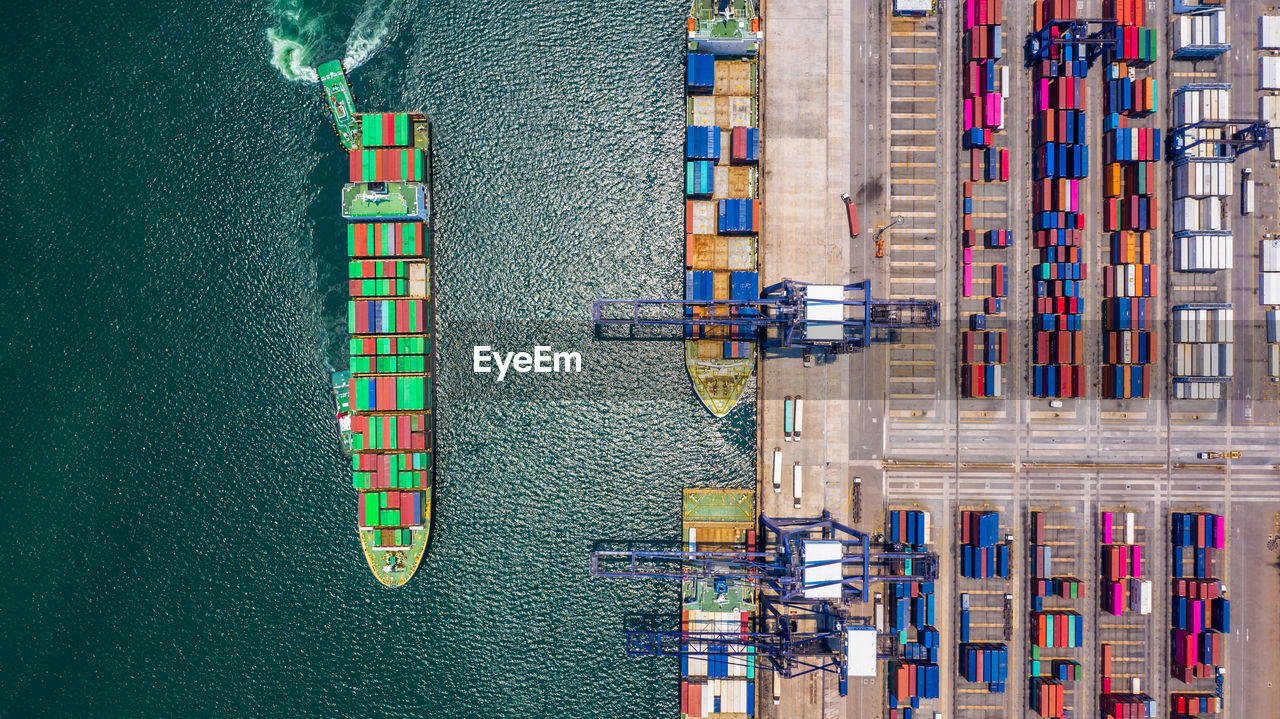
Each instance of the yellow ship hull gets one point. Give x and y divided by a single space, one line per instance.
719 383
395 567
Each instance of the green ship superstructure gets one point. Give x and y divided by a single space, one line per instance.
342 103
341 382
389 319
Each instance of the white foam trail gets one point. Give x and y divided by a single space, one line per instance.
369 32
291 57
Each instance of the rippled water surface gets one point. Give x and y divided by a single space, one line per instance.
179 531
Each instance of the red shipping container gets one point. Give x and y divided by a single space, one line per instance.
975 165
1004 164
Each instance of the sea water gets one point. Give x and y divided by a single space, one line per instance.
179 537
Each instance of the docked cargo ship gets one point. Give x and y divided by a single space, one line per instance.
385 409
722 200
716 680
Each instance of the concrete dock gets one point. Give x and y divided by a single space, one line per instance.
860 102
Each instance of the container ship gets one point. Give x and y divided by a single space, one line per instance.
722 198
714 681
385 399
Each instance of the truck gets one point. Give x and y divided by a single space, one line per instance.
799 417
851 209
796 484
1246 197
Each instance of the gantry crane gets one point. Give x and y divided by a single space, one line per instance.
805 570
833 318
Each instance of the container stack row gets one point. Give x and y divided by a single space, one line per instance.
984 91
1203 349
389 319
1269 281
715 677
722 206
1123 587
1128 706
1189 704
1055 628
1059 161
982 553
985 664
911 608
1200 36
1201 615
1129 211
1273 344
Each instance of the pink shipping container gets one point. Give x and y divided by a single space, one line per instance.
1124 561
1220 535
1004 164
968 113
1106 527
968 280
1136 569
1196 612
968 255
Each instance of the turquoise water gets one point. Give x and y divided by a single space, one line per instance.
179 538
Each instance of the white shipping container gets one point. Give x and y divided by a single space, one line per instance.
1269 32
1186 215
1203 325
1129 528
1203 252
1273 360
1197 390
1269 73
1202 178
1211 213
1269 254
1269 109
1246 199
1269 288
1199 30
1193 105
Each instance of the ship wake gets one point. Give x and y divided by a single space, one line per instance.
309 32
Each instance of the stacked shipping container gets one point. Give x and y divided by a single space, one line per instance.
983 96
1129 212
982 554
1060 160
1123 588
722 214
389 320
1201 616
1203 350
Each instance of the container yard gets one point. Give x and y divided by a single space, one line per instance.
1053 517
385 406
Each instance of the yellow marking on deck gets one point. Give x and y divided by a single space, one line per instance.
906 263
911 33
1001 215
897 66
915 181
913 83
920 213
914 198
913 164
904 395
1195 74
913 148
